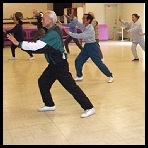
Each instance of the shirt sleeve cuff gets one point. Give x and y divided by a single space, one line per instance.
20 44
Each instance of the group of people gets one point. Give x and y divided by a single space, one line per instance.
71 19
90 49
17 31
51 44
72 28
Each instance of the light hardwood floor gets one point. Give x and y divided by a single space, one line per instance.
120 106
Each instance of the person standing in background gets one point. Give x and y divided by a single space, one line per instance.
41 31
135 28
90 49
96 28
17 31
72 28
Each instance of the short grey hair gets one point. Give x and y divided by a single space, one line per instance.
52 15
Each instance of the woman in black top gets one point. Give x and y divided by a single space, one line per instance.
41 30
17 31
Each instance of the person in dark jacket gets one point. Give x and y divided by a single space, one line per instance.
58 68
17 31
41 31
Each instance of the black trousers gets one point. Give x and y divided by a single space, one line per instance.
13 47
61 73
68 40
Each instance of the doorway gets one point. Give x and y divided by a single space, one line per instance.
111 19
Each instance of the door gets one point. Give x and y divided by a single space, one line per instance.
111 19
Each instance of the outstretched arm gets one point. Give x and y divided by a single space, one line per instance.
35 47
126 23
12 39
141 33
84 35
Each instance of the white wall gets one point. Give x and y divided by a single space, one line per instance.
98 9
125 10
75 5
49 6
25 8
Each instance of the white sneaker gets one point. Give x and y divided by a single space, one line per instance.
102 60
13 58
78 78
88 112
88 59
31 58
46 108
111 79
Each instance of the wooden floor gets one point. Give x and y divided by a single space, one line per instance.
120 106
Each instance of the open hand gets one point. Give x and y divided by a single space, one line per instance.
12 39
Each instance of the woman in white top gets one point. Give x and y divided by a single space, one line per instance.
135 29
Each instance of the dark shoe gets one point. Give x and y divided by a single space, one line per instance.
135 60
